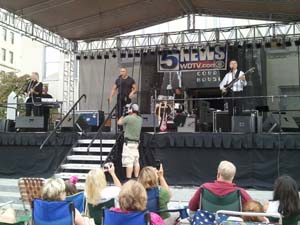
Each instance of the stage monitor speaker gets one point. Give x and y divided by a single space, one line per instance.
244 124
2 125
68 122
274 122
30 123
221 121
149 120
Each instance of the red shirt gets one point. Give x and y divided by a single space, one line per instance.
219 188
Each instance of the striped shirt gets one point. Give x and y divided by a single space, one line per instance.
238 86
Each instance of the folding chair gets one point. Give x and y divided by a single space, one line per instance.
234 213
119 218
96 212
78 200
153 204
30 188
52 212
212 203
13 218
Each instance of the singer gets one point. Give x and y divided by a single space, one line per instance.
235 106
126 87
33 92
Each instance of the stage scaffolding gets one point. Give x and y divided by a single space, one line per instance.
150 42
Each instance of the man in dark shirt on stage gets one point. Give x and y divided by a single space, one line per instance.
126 87
46 109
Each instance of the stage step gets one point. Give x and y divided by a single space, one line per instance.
66 175
92 149
97 141
86 157
79 166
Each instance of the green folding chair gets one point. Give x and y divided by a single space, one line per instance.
96 212
212 203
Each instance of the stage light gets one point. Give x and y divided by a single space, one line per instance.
169 51
258 44
129 54
78 57
240 44
279 43
203 48
297 42
123 55
85 57
268 44
195 50
99 56
145 52
288 43
106 56
113 54
249 45
186 51
211 48
152 51
92 57
137 54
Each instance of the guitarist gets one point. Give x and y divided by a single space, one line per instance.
33 92
236 89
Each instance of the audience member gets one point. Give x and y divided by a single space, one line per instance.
133 198
71 188
222 186
256 207
151 178
55 190
96 189
285 199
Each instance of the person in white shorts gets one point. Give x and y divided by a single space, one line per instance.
132 126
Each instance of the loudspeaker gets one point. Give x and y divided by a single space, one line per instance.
30 122
221 121
243 124
274 122
68 122
149 120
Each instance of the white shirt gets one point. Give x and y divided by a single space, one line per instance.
238 86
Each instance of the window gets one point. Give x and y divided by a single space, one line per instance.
3 54
4 34
11 57
52 63
12 38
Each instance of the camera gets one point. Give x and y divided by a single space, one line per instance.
107 166
157 164
126 110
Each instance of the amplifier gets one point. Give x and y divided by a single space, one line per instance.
33 122
189 125
244 124
149 120
221 121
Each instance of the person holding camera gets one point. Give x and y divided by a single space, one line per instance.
132 125
96 189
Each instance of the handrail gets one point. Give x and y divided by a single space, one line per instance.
108 158
101 128
62 120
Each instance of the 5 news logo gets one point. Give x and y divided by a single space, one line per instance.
204 59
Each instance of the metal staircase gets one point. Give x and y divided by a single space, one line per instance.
80 161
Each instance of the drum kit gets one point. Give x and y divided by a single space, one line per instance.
166 110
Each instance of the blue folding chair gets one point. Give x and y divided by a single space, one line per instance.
119 218
52 213
78 200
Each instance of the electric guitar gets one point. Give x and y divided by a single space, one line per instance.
228 86
30 92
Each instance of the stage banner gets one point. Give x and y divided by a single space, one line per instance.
208 58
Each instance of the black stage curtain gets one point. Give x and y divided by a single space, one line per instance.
192 159
20 155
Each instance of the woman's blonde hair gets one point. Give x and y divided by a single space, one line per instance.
148 177
94 184
54 190
133 196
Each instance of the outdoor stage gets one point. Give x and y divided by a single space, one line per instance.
188 158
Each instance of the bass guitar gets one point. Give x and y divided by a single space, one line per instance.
228 86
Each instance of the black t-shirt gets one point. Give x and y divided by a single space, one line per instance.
124 86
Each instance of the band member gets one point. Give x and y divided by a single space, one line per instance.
236 90
33 92
132 124
126 87
46 109
180 117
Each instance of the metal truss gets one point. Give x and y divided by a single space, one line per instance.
31 30
262 32
68 81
